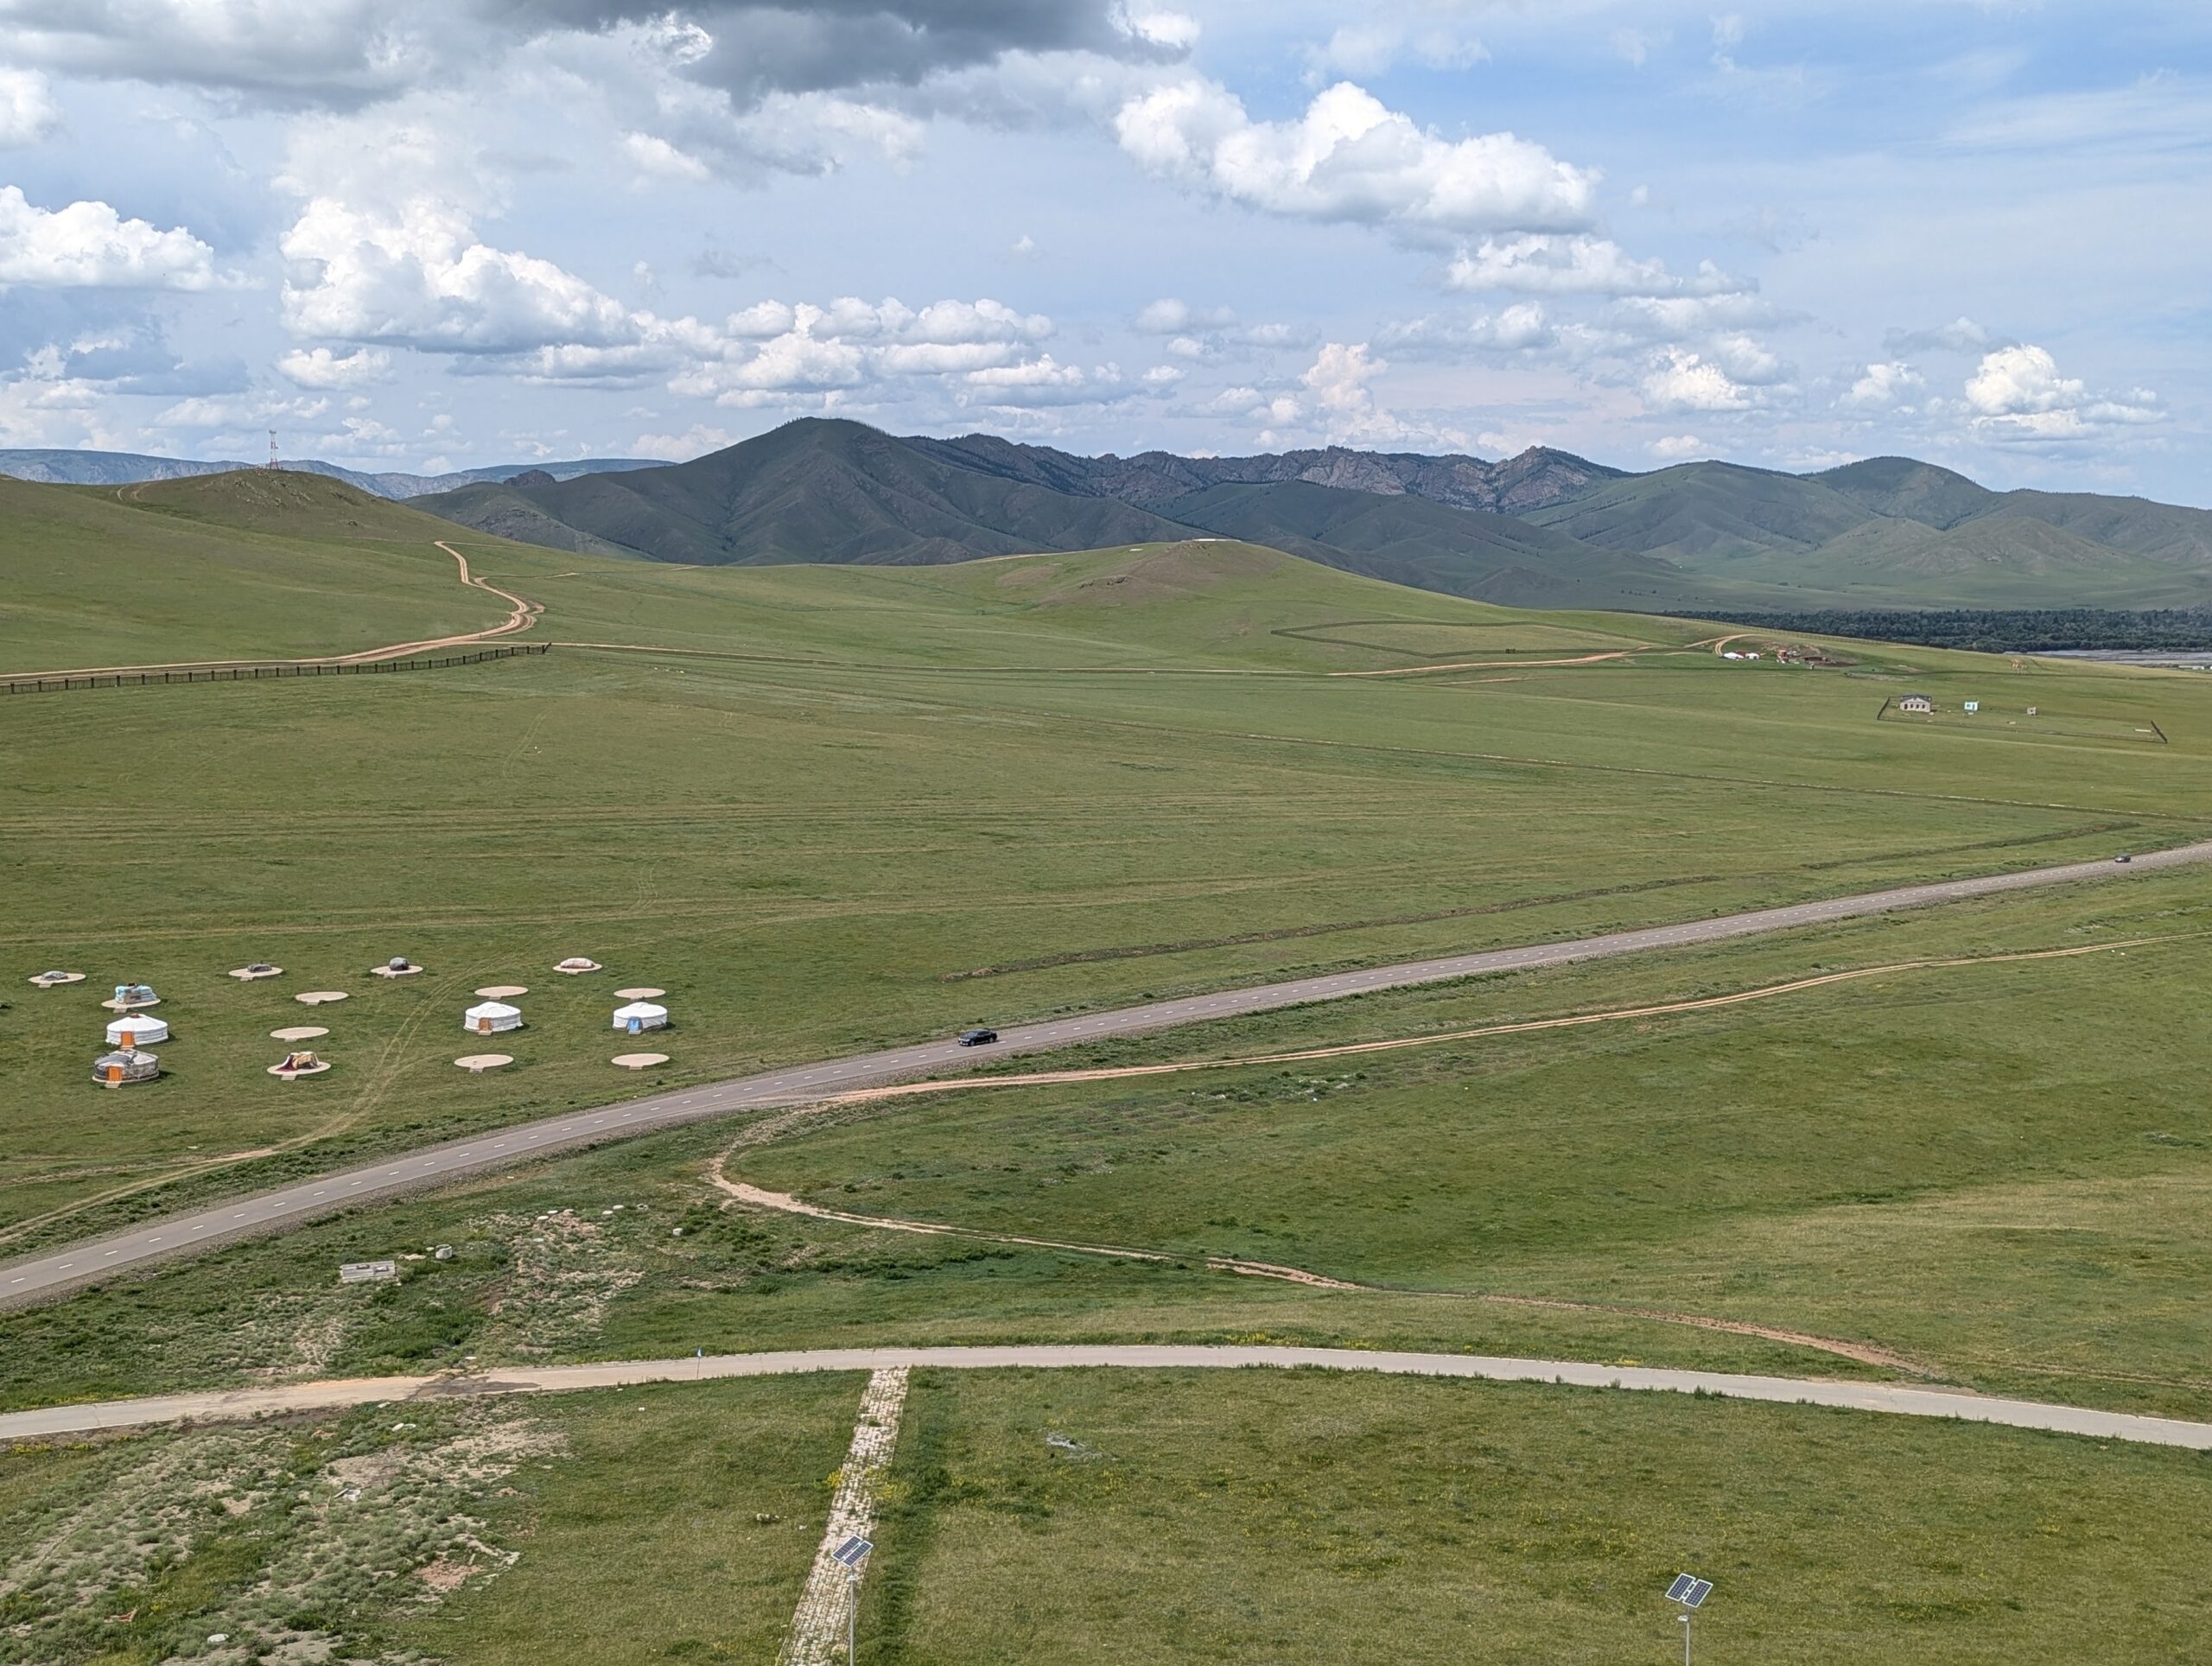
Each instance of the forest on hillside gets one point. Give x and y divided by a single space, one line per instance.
2039 630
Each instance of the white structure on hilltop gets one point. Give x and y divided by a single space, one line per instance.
491 1018
137 1030
640 1016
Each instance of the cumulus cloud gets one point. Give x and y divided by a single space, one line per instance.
28 113
1683 380
2018 393
321 368
1676 447
417 277
775 349
1884 385
240 415
88 245
1540 264
1523 327
347 53
1350 158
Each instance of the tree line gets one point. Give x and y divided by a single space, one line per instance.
2037 630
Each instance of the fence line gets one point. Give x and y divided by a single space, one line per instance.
255 673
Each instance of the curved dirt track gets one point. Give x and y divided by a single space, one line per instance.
1895 1399
55 1272
522 615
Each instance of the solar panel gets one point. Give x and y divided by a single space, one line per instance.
1699 1590
853 1552
1680 1587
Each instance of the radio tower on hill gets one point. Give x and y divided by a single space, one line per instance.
272 449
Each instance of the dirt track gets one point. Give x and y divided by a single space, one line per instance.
523 616
743 1192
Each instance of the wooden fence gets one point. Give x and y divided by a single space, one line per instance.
57 684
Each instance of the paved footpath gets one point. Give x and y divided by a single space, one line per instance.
1893 1398
45 1276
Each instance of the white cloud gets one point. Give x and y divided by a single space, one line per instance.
321 368
1160 26
238 415
416 276
1537 263
1350 158
1675 446
1682 380
654 157
88 245
28 113
1169 316
1884 385
1370 48
2018 393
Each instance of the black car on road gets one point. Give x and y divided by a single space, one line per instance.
978 1038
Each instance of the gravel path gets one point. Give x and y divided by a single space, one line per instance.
1896 1399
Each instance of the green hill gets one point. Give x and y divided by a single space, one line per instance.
246 565
1543 529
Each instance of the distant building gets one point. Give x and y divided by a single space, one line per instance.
1919 702
114 1070
492 1018
1973 705
137 1030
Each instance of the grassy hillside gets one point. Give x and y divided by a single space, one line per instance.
1428 545
244 565
1540 529
831 807
815 490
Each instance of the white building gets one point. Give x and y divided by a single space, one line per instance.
1919 702
113 1070
640 1016
137 1030
491 1018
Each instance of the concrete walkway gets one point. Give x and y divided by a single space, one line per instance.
54 1273
1895 1399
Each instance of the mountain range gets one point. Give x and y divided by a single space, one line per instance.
1542 529
58 468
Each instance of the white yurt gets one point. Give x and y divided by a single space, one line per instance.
491 1017
113 1070
137 1030
640 1016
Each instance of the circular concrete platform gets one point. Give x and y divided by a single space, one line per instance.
299 1033
503 991
640 1060
316 1069
477 1063
55 979
247 975
320 997
640 995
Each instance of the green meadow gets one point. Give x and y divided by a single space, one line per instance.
1107 1517
827 809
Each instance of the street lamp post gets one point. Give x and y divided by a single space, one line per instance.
852 1554
1690 1592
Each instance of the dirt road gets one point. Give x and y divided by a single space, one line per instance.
44 1276
1895 1399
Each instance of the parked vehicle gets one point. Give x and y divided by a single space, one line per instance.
978 1038
2123 856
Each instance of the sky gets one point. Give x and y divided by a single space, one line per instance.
441 234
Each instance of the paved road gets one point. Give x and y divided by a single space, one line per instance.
42 1277
1891 1398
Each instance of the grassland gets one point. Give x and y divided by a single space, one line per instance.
827 809
1245 1517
